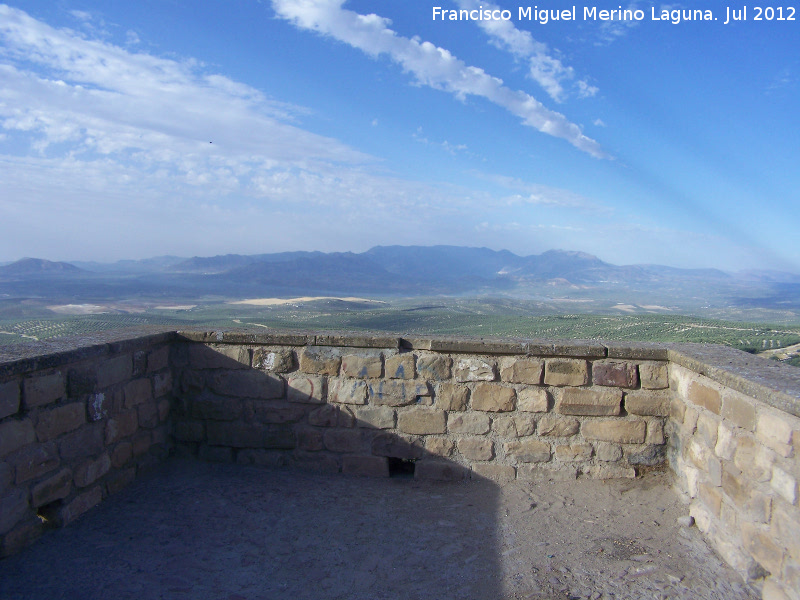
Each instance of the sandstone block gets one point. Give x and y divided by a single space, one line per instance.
53 488
325 416
366 466
362 367
346 417
138 391
148 414
573 452
434 366
540 473
15 434
123 425
615 430
475 369
528 451
347 391
785 485
378 417
505 427
439 471
656 455
158 359
655 432
615 374
476 448
760 545
532 400
280 360
309 439
566 371
397 392
707 426
162 384
91 470
307 389
753 459
246 384
141 442
53 423
9 398
607 452
114 371
653 376
439 446
726 442
43 389
322 361
492 397
121 454
774 430
752 504
739 409
576 401
786 526
13 508
705 396
521 370
80 504
469 423
452 396
34 460
649 403
554 426
421 421
677 410
498 473
218 356
338 440
394 446
400 366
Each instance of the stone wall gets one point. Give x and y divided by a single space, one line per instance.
75 426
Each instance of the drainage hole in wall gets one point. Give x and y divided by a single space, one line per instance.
401 467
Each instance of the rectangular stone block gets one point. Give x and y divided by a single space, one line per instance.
475 369
114 371
575 401
439 471
218 356
619 431
774 430
521 370
498 473
530 399
307 389
216 408
309 439
705 396
280 360
739 409
121 454
80 504
653 376
347 391
468 423
753 459
91 470
158 359
249 435
476 448
421 421
752 504
377 417
786 528
395 446
439 446
138 391
540 473
162 384
148 414
396 392
434 366
343 440
52 423
400 366
649 403
493 397
528 451
554 426
34 461
366 466
9 398
247 384
362 367
573 452
53 488
123 425
43 389
15 434
566 371
13 508
321 361
759 544
452 396
615 374
785 485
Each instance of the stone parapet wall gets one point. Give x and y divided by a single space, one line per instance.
76 426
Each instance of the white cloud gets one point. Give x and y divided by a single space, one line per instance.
542 195
544 68
431 65
611 31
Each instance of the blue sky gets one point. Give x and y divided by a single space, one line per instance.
136 129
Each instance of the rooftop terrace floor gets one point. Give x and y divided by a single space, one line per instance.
199 530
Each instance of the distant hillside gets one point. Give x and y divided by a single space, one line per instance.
37 267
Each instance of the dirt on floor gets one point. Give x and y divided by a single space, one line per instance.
228 532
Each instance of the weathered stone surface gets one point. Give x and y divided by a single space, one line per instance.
739 409
34 460
533 400
421 421
277 412
434 366
218 356
528 451
498 473
474 369
365 466
347 391
138 391
648 403
378 417
309 439
52 423
566 371
82 380
504 427
343 440
43 389
607 452
653 375
649 456
322 361
554 426
540 473
246 384
15 434
13 508
216 408
752 504
397 392
476 448
753 459
392 445
324 416
114 371
249 435
616 430
141 442
9 398
280 360
158 359
308 389
573 452
492 397
51 489
707 426
91 470
400 366
577 401
439 471
614 373
786 524
655 432
354 365
609 471
710 496
121 454
775 430
469 423
162 384
521 370
452 396
705 396
440 446
785 485
80 504
759 543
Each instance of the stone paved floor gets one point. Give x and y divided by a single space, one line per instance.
226 532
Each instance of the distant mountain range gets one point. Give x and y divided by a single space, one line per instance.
382 270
